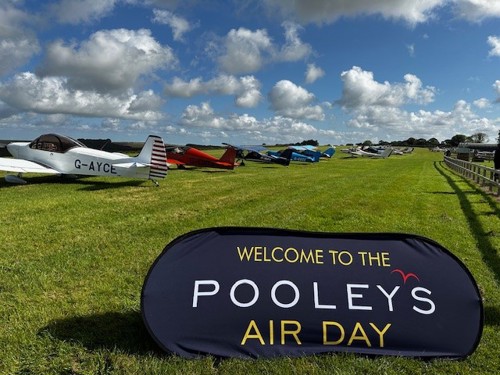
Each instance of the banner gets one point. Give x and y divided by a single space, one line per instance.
261 293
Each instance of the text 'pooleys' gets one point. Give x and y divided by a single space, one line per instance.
257 292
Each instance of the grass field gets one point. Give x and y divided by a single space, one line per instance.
74 255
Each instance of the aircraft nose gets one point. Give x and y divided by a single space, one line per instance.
13 150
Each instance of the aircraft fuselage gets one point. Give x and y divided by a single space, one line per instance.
77 161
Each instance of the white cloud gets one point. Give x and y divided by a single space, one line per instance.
277 129
293 101
313 73
246 89
494 42
482 103
477 10
179 25
82 11
50 95
410 11
17 42
245 50
326 11
360 90
377 109
398 124
293 49
110 61
204 116
250 96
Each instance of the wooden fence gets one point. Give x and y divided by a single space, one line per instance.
480 174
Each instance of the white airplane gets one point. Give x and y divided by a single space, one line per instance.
384 154
59 154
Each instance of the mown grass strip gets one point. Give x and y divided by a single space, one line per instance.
74 255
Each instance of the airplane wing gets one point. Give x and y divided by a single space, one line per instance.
175 162
24 166
256 148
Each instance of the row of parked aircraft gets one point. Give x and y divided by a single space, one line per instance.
63 155
377 152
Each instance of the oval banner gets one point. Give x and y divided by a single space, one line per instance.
261 293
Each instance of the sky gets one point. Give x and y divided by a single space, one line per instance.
250 71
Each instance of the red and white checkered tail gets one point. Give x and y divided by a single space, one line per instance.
153 153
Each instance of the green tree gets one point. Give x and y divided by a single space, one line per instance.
479 137
457 139
411 141
433 142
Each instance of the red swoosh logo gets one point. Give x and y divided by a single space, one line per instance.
406 276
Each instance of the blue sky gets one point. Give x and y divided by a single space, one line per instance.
252 72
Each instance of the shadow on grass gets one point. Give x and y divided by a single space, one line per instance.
492 315
102 185
122 331
483 238
84 182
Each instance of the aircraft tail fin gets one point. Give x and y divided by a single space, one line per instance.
329 152
229 156
387 152
153 153
287 154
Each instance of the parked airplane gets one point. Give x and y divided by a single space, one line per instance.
372 154
402 151
297 156
59 154
253 153
186 155
313 152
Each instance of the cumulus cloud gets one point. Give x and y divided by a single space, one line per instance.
361 89
377 108
313 73
82 11
476 10
17 42
482 103
246 51
276 129
293 49
494 42
110 61
400 123
50 95
250 96
179 25
410 11
327 11
246 89
293 101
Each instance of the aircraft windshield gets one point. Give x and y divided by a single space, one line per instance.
55 143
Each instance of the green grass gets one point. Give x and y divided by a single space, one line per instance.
74 255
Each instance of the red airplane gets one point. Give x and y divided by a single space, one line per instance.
186 155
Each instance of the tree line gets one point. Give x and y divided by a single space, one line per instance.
434 142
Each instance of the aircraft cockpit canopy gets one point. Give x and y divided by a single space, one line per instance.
55 143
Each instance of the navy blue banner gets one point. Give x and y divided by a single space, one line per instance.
259 292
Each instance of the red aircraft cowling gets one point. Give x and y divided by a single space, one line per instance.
182 156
